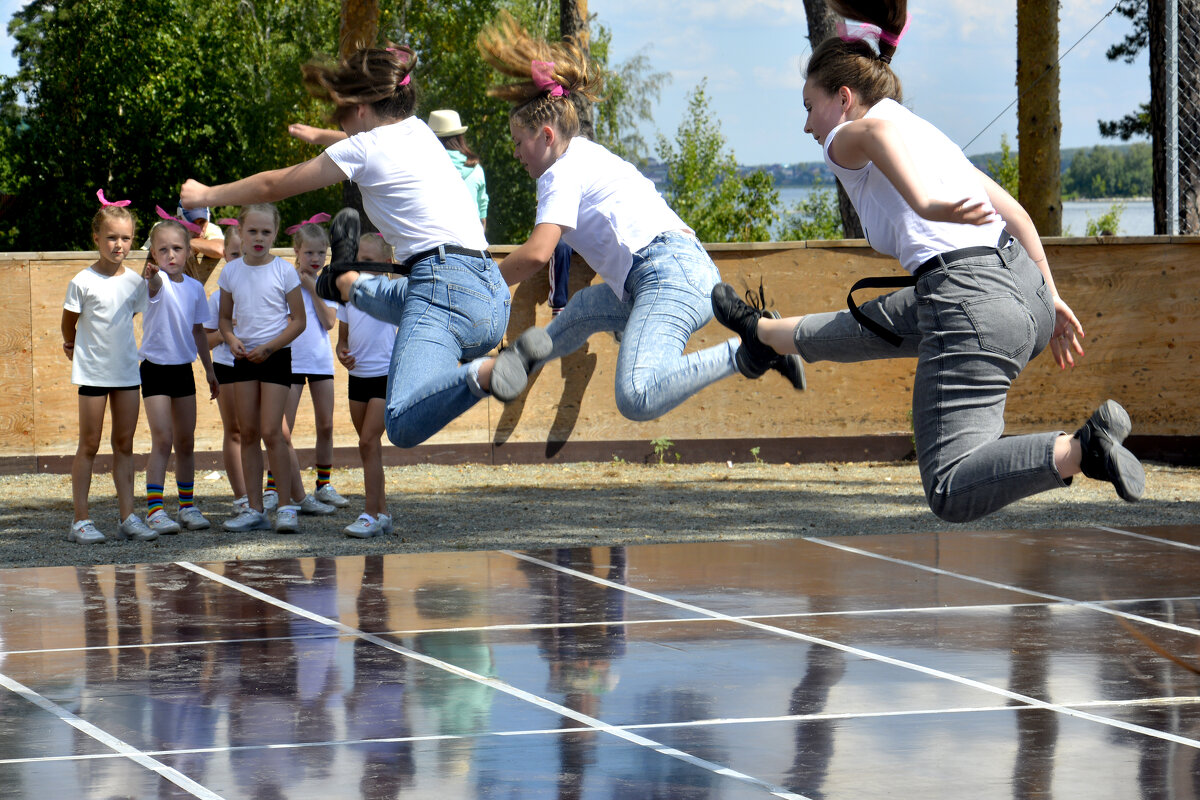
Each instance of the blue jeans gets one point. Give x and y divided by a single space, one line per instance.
450 309
973 325
669 290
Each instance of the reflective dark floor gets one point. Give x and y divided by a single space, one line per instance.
1010 664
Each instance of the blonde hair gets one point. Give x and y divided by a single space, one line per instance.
374 76
265 208
837 62
511 51
112 213
173 225
385 249
309 232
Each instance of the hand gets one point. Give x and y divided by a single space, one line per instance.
214 388
343 354
150 270
1067 335
236 347
69 350
260 354
965 211
305 133
192 194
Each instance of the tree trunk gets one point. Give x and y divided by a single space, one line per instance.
1039 125
822 23
573 22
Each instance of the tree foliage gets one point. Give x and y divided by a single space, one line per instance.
1007 172
1110 172
816 218
704 187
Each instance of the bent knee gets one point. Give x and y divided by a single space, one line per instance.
953 508
637 407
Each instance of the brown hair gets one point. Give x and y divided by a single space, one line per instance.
111 213
309 232
459 142
836 62
373 76
511 51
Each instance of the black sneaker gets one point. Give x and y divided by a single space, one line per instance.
344 232
510 371
753 358
1105 458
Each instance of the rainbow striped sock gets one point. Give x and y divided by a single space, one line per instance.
185 493
323 471
270 482
154 501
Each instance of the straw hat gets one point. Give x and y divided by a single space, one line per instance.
446 123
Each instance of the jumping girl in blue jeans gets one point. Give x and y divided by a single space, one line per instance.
983 304
454 304
657 275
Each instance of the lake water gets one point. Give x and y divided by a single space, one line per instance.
1136 220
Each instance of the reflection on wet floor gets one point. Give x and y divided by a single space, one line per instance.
976 664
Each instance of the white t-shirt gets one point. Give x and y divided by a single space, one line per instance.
371 342
610 209
311 352
105 345
410 188
221 354
170 315
260 309
890 224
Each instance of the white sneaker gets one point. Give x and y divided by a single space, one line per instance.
330 497
160 523
311 505
85 532
133 528
270 500
386 521
193 520
248 520
287 519
366 526
241 504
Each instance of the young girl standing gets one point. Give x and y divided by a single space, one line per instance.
453 307
657 273
312 357
365 348
98 339
262 311
983 304
222 358
172 337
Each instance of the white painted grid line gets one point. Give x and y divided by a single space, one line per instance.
867 654
108 740
1149 538
501 686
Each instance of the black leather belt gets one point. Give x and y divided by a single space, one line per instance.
901 282
441 249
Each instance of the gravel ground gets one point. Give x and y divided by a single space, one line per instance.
476 507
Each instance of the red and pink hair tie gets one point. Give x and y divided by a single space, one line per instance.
315 219
191 226
542 74
105 202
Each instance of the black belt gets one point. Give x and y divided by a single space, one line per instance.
901 282
441 249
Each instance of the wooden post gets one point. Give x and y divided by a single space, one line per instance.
1039 125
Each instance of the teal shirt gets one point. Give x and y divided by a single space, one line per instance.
473 177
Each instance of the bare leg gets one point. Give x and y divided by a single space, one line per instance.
271 411
183 415
246 395
161 420
368 421
779 334
91 426
125 407
231 441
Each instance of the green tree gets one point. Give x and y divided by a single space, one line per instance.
704 186
816 218
1007 173
1110 172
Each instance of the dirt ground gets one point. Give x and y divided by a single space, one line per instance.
477 507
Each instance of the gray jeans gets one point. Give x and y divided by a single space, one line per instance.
973 325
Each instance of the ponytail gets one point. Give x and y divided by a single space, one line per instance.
374 76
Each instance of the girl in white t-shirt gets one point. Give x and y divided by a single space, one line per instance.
981 303
262 311
312 356
231 443
365 349
98 339
172 338
453 306
658 275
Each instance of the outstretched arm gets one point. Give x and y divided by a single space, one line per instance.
265 187
878 141
320 136
532 256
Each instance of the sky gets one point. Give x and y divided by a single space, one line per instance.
957 64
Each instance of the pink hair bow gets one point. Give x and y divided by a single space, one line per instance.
862 30
191 226
403 56
105 202
320 216
542 73
228 221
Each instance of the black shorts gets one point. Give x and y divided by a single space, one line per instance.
276 369
298 378
104 391
364 390
173 380
224 373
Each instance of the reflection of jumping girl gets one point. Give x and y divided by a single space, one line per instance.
453 307
658 275
984 302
